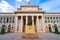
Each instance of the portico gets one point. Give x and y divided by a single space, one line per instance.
23 22
29 19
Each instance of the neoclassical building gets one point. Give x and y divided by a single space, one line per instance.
29 18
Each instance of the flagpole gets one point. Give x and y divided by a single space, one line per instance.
28 2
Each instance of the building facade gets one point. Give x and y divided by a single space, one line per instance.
30 19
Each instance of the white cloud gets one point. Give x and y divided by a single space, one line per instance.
18 0
49 5
5 7
27 0
21 0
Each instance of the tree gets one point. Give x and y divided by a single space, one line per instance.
56 29
3 29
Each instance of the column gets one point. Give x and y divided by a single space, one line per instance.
16 23
26 20
37 23
21 24
26 24
43 27
33 20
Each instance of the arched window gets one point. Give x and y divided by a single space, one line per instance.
55 25
12 29
9 28
56 28
50 28
4 26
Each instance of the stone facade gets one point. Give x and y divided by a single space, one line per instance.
18 20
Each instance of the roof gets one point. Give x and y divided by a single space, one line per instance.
52 12
29 6
7 13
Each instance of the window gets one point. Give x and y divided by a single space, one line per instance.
45 21
49 21
0 19
13 20
7 19
56 18
10 19
50 18
54 21
4 20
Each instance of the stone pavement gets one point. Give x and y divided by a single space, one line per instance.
17 36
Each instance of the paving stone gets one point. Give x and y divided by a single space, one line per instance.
17 36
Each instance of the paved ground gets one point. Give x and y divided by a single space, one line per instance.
17 36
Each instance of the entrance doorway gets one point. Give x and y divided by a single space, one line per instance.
29 21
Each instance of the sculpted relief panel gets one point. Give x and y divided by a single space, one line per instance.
29 8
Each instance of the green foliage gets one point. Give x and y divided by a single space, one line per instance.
56 29
0 32
3 30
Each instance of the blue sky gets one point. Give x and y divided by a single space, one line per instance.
46 5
